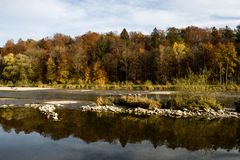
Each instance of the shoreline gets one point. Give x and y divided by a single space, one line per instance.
133 87
210 114
23 88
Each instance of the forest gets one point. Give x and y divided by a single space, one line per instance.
162 57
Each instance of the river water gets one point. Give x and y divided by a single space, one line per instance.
27 134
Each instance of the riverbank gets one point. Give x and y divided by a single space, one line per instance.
136 103
127 86
84 90
23 88
50 110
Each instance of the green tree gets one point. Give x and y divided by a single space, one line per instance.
124 35
228 35
238 34
17 68
38 58
25 68
237 40
174 35
216 37
165 65
155 38
10 71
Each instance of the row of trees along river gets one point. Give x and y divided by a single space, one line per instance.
161 57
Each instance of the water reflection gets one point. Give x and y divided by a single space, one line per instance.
190 134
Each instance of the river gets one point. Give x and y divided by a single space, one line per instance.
27 134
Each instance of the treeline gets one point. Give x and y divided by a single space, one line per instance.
161 57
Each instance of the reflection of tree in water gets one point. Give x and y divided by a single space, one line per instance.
91 127
238 137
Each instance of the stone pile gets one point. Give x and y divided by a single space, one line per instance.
210 114
49 111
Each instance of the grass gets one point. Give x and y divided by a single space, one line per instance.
169 87
180 85
130 102
102 101
193 103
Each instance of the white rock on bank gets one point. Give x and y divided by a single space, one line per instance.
49 111
163 112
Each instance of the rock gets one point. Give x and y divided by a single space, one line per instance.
234 113
26 105
221 112
4 106
49 110
206 110
163 112
59 105
11 105
213 113
212 110
178 113
185 109
55 116
35 105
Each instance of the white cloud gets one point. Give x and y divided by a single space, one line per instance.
40 18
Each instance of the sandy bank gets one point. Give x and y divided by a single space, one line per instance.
163 92
22 88
61 102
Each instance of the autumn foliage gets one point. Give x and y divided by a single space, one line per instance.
161 57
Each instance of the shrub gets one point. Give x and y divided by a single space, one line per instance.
136 101
102 101
129 101
128 85
148 85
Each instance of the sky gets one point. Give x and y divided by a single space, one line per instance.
37 19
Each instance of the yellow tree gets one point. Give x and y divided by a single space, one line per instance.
226 60
99 75
51 70
179 50
87 77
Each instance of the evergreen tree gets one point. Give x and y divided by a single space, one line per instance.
228 34
216 37
155 38
124 35
237 40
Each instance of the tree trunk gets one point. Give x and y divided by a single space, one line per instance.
220 77
226 74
